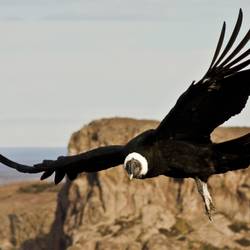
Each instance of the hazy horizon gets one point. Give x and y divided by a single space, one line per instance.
29 156
65 64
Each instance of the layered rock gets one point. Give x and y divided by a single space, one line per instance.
107 211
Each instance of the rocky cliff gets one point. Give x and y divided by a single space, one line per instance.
107 211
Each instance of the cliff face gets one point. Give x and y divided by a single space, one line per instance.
107 211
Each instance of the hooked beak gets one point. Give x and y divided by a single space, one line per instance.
131 176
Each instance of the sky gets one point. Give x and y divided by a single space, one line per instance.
65 63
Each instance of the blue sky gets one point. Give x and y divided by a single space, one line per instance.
64 63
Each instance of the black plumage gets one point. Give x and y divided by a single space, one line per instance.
181 146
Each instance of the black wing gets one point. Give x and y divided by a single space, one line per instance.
92 161
220 94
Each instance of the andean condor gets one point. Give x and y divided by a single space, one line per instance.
180 146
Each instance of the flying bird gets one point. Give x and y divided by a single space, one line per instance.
180 146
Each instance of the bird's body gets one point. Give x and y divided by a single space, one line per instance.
183 159
173 158
180 146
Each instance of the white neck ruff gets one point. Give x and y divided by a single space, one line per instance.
141 159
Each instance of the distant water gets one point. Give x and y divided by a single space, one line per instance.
27 156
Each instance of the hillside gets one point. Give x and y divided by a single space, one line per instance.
27 211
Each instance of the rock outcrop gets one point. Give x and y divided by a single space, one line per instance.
27 211
107 211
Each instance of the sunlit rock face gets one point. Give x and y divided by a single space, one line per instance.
107 211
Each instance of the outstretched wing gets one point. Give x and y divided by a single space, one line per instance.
92 161
220 94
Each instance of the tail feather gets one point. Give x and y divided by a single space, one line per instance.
235 145
233 154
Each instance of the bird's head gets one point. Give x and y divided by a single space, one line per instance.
136 165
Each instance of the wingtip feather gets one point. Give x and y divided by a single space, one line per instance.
241 12
232 39
229 64
72 175
219 45
46 174
59 175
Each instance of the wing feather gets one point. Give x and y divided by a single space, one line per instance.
241 45
220 94
238 68
219 45
232 38
239 58
92 161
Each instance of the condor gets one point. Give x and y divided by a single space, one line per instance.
180 146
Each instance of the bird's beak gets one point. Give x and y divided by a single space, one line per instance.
131 176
